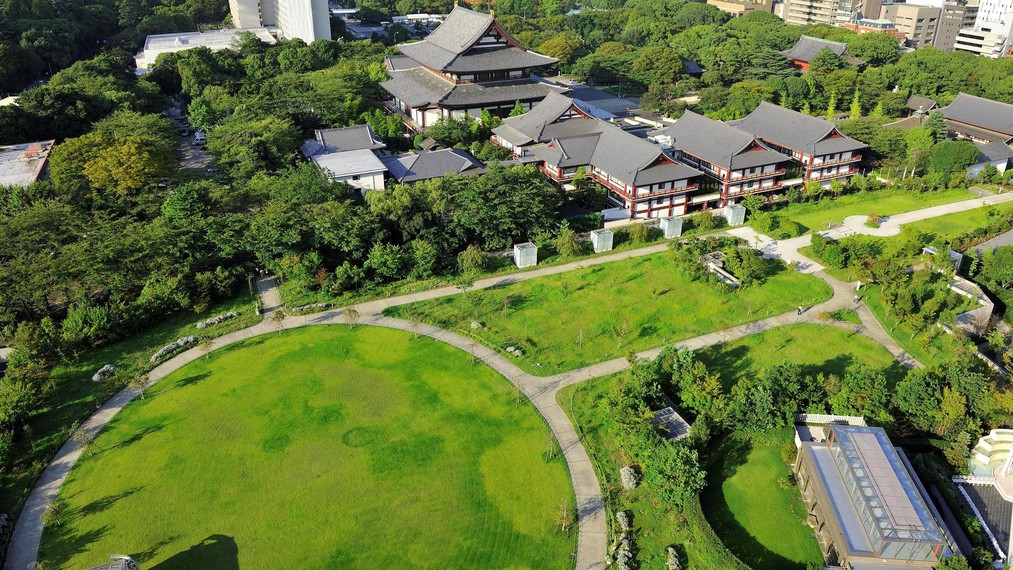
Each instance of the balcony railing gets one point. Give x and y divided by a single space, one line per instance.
558 176
850 172
853 158
755 175
621 189
774 186
408 121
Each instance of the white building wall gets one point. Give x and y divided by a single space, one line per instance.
245 13
992 11
369 181
307 20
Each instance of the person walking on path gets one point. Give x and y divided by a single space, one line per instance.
800 310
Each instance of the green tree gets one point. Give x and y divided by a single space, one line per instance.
517 110
856 106
826 61
951 157
505 206
564 46
247 145
936 125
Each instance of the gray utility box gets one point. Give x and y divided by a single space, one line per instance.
526 255
672 227
735 215
601 240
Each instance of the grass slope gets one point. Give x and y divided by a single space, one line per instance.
759 521
74 396
814 216
570 320
817 348
336 448
655 526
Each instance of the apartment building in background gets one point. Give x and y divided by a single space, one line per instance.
992 32
829 12
916 22
742 7
307 20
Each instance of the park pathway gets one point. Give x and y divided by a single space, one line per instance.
541 391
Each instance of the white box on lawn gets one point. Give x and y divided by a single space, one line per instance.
735 215
672 227
525 255
601 240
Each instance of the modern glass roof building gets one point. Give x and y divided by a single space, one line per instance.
867 506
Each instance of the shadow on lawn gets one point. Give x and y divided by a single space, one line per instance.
216 551
721 518
104 503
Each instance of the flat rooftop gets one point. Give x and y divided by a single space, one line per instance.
214 40
22 164
867 481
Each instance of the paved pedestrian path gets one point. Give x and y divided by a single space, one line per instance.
891 225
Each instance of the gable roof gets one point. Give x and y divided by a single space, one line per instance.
796 131
418 87
358 137
349 163
917 102
460 30
413 167
454 46
980 112
718 143
529 127
807 47
583 140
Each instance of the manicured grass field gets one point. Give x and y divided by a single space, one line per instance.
815 216
74 396
758 520
597 313
655 525
325 448
952 225
817 348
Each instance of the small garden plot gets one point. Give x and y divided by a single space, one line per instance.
589 315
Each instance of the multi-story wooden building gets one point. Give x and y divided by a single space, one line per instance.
823 151
640 179
735 162
467 65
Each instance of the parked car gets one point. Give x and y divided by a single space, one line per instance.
199 139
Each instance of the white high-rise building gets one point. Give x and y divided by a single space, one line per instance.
307 20
992 34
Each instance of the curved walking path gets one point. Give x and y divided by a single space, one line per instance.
541 391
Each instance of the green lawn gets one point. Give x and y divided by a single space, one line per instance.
931 346
817 348
325 447
655 526
815 216
761 522
597 313
74 396
952 225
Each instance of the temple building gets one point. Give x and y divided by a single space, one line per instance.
736 162
806 48
822 150
640 180
467 65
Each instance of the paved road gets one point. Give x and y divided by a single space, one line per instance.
592 531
